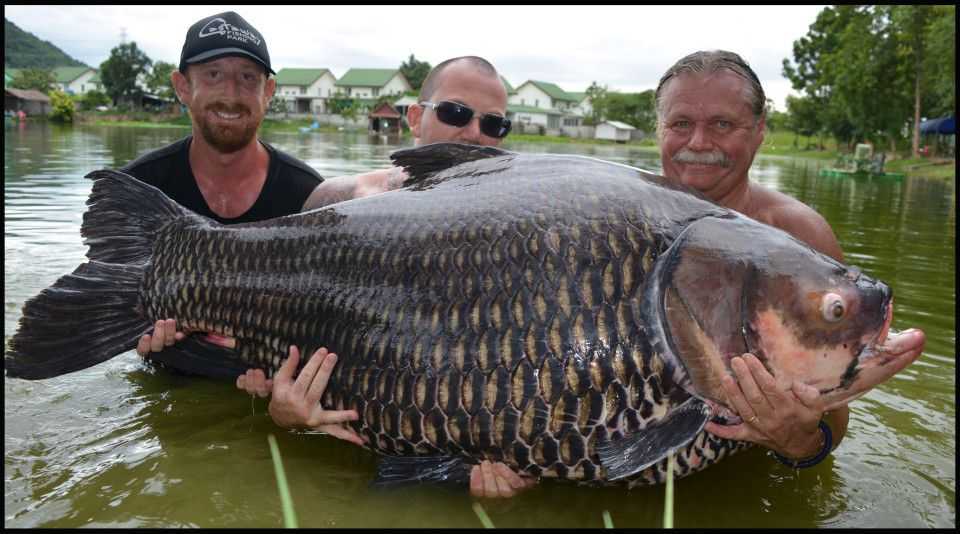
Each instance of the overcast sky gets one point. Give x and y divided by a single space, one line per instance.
626 48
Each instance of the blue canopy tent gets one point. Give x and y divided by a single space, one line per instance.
942 126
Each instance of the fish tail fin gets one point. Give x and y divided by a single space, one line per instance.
94 313
123 217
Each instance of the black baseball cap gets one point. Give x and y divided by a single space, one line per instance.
223 34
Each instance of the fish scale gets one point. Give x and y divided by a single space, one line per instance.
516 308
496 403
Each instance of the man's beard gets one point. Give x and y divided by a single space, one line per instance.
228 139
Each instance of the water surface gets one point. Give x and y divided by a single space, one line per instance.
122 445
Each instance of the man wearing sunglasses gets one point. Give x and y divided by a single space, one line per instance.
462 100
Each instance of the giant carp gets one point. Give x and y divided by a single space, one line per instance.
568 316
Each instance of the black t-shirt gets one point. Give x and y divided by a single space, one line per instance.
289 182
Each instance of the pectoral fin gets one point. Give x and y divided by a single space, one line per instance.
398 470
635 452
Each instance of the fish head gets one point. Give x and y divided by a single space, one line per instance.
737 286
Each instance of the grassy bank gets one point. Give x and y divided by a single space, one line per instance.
924 167
782 144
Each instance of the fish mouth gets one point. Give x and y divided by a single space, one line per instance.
878 351
888 354
216 339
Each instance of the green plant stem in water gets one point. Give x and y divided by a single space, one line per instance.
289 516
668 501
482 514
607 520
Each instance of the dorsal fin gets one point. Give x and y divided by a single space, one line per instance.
422 162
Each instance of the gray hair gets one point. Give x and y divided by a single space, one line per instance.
432 81
708 62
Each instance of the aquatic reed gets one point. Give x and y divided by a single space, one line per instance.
289 516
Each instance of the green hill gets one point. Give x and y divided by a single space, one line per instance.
23 49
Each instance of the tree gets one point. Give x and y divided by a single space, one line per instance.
278 106
598 103
812 69
158 81
415 71
940 65
345 106
121 71
40 79
872 70
635 109
802 117
62 107
909 23
93 99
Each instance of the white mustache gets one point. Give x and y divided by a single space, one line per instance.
701 158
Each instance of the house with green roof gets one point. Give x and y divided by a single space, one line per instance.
368 84
559 108
75 80
70 80
305 90
543 95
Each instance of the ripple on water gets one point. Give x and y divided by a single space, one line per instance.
119 446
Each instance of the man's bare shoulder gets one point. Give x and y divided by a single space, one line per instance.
796 218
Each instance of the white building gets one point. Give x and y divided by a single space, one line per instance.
550 119
367 84
305 90
70 80
559 107
584 105
76 80
614 131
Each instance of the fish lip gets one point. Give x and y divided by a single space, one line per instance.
874 350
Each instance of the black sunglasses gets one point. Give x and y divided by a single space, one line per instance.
459 115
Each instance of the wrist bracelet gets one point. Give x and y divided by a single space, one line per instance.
814 460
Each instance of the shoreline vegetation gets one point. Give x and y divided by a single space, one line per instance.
774 144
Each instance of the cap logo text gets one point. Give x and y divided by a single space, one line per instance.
218 26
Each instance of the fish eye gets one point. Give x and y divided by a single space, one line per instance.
833 307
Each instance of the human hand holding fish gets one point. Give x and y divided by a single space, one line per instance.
165 334
296 402
290 409
497 480
786 420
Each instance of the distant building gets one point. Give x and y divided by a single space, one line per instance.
584 105
526 116
75 80
560 107
384 120
614 131
30 101
70 80
95 81
403 103
305 90
367 85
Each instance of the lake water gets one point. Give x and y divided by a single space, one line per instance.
121 445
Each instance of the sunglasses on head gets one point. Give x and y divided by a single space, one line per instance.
459 115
